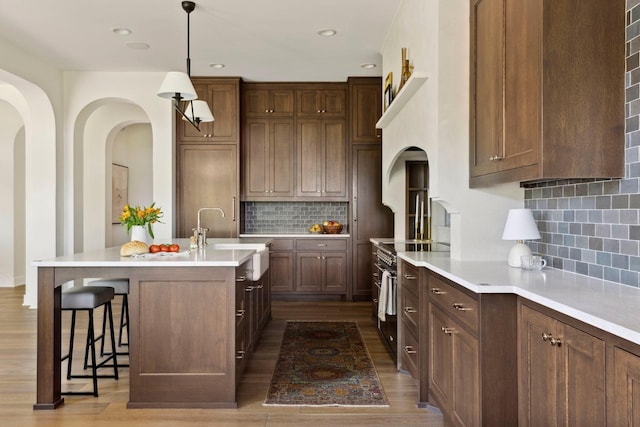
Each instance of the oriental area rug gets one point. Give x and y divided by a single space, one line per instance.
324 364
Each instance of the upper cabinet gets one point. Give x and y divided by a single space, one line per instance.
267 100
365 108
222 96
547 90
320 101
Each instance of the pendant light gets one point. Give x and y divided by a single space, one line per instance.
177 86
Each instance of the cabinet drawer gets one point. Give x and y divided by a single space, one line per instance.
321 244
409 279
454 302
282 245
409 311
410 353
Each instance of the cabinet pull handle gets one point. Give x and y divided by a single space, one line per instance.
555 342
460 307
447 331
240 354
546 336
375 274
233 210
249 289
355 209
437 291
409 277
375 300
322 245
258 287
241 278
409 349
239 313
410 310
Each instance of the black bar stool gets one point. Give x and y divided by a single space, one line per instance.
89 298
120 288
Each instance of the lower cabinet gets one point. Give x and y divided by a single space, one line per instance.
626 393
562 373
309 266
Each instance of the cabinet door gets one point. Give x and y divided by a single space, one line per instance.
281 271
334 159
255 102
207 177
335 272
440 357
264 102
465 402
626 399
487 60
256 158
282 143
223 100
309 267
309 158
538 370
582 396
321 103
281 102
334 103
366 109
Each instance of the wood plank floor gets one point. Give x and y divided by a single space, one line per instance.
18 383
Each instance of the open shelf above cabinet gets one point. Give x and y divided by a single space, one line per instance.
406 93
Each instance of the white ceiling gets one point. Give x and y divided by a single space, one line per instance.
258 40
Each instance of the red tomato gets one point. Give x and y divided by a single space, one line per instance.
154 248
174 248
164 248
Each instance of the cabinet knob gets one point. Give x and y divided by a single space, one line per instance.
240 354
555 341
447 331
319 111
266 111
437 291
239 313
271 111
546 336
410 310
375 300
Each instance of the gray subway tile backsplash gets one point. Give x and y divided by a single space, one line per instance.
291 217
592 226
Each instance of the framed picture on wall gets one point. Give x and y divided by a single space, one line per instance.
388 91
119 190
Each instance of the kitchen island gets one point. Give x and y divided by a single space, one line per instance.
183 320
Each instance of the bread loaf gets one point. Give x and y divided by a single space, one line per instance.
134 247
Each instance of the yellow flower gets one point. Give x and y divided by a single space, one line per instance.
142 216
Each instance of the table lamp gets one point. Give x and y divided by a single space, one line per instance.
520 226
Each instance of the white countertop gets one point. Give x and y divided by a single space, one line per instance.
609 306
204 257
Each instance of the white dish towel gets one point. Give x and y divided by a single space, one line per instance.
386 300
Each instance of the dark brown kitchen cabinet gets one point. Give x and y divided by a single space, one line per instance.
207 177
365 109
322 100
626 398
561 371
268 158
222 95
282 265
321 159
409 313
369 217
321 265
267 100
535 109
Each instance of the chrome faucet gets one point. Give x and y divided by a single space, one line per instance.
200 233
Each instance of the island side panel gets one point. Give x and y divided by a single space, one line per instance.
48 394
182 351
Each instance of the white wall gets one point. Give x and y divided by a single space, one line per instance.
436 119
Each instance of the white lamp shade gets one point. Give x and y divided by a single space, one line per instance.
199 109
177 82
520 225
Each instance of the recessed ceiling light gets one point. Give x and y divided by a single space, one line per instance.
216 66
137 45
327 32
121 31
368 66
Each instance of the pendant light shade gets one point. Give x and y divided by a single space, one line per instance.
177 84
199 111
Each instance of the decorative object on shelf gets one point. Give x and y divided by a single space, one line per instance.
406 69
520 226
178 87
141 217
388 91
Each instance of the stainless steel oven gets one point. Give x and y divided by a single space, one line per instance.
386 266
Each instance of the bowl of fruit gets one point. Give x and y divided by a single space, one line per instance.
332 227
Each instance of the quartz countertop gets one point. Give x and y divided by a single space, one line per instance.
202 257
609 306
